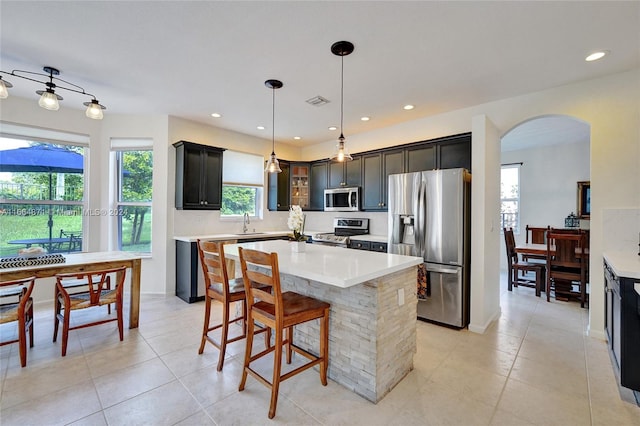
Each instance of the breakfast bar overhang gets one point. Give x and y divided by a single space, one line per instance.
372 329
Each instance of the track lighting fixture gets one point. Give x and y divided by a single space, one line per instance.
49 99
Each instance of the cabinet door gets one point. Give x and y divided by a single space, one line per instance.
421 158
371 182
278 197
300 185
318 183
393 162
336 174
211 179
456 154
353 172
192 171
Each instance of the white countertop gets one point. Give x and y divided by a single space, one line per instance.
336 266
624 263
238 236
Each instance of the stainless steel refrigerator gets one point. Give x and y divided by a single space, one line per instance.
429 216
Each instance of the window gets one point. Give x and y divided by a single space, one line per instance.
242 184
134 166
41 193
510 197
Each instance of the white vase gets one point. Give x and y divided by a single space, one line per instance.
298 246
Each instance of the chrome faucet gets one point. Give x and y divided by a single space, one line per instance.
245 222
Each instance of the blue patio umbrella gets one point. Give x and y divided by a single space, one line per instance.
42 158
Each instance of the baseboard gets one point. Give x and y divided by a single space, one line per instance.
480 329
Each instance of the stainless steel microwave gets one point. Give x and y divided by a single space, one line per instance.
342 199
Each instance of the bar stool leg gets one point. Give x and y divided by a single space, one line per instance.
277 364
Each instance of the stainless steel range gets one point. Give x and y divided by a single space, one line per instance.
343 228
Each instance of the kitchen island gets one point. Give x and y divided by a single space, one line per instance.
372 322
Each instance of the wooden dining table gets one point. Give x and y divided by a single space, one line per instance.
541 249
87 262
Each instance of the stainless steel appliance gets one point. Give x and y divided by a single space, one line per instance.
429 216
343 228
342 199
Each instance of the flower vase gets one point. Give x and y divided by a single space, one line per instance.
298 246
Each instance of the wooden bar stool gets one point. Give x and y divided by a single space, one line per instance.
279 311
225 291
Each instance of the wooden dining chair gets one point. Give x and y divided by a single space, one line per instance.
279 311
535 235
16 305
567 264
514 265
96 294
226 291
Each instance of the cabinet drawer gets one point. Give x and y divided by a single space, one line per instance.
381 247
360 245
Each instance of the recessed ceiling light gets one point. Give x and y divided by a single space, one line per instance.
408 107
333 128
596 55
260 127
297 138
216 115
365 118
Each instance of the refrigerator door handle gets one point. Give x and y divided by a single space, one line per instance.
421 213
442 270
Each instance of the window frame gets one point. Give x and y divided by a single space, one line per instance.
516 200
118 149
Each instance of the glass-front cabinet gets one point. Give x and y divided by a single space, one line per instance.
300 184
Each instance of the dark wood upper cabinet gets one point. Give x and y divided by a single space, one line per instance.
279 194
455 153
318 181
376 168
198 176
345 174
421 158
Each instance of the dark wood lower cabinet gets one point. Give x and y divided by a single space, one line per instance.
622 326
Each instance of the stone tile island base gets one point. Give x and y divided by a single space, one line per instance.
372 339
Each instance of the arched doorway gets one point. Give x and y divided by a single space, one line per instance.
549 155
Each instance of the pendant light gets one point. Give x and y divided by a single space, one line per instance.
342 49
273 166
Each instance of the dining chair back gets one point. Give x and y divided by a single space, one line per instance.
514 265
215 267
535 235
98 292
280 311
16 305
567 264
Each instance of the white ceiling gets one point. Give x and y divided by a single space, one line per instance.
190 59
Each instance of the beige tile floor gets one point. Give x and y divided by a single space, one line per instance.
534 366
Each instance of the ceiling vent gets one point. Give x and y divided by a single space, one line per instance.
317 101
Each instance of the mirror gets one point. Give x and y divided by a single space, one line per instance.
584 199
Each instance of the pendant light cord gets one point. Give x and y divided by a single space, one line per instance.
341 96
273 121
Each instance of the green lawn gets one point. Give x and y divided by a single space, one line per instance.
14 227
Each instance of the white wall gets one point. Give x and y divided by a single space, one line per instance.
548 185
